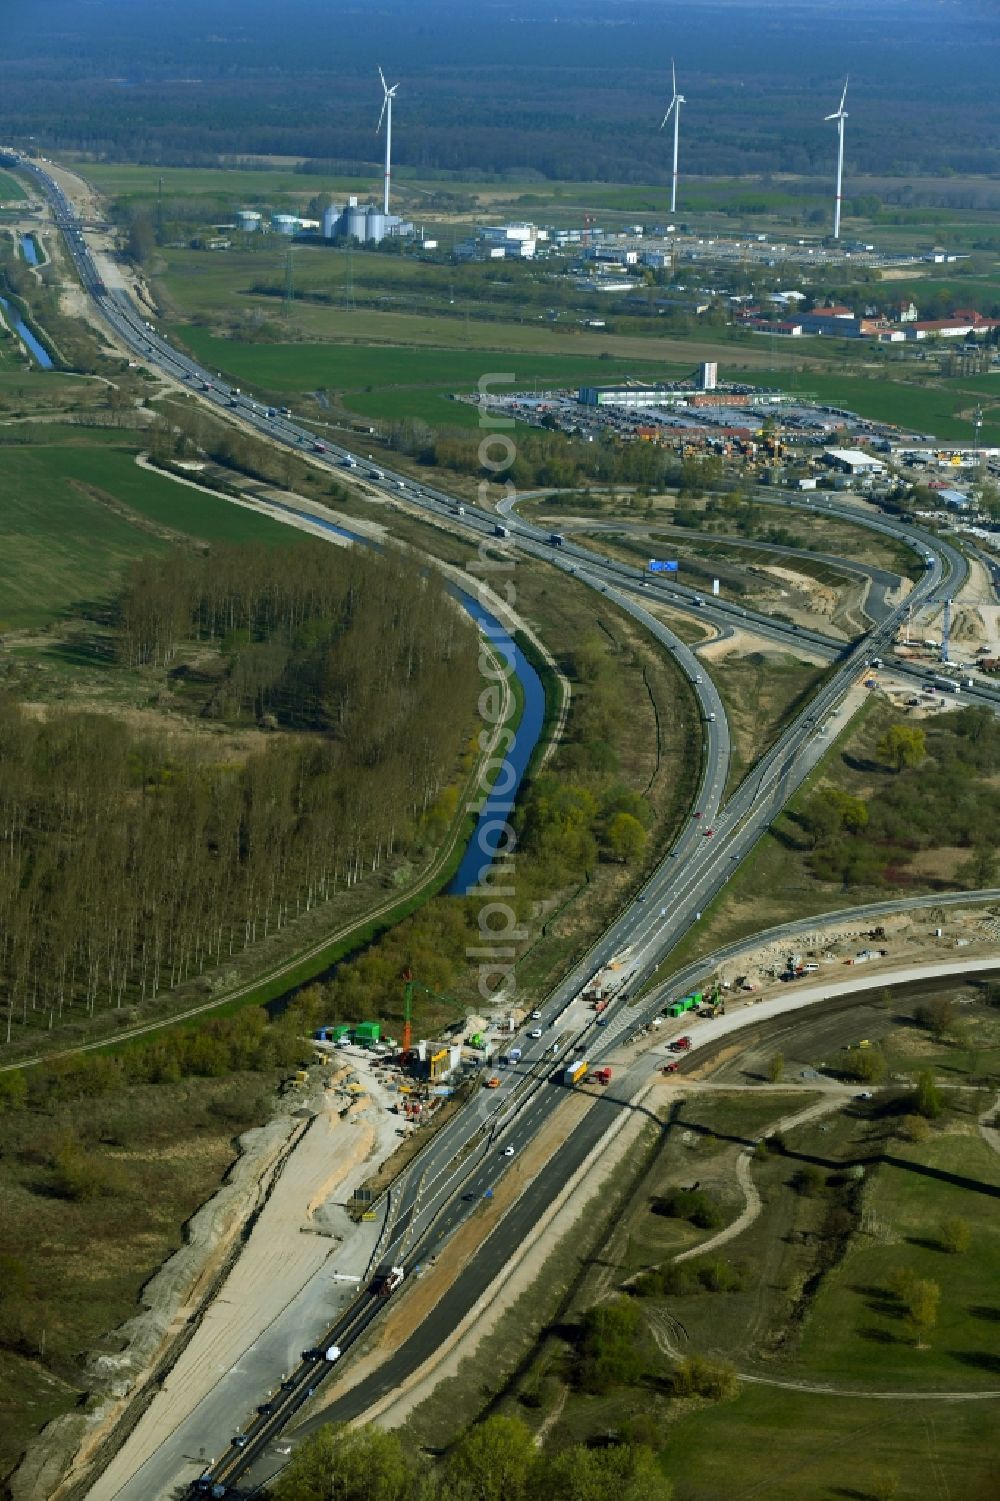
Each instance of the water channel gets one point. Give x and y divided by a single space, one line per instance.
29 249
490 832
38 351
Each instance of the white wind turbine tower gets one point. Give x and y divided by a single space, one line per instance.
389 95
840 115
675 110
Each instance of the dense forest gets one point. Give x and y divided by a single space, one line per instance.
131 862
508 88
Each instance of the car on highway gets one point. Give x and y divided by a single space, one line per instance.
699 814
508 1151
535 1032
709 833
493 1082
536 1016
239 1440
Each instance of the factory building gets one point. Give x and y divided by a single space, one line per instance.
498 242
367 225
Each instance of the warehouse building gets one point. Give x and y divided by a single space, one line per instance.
852 461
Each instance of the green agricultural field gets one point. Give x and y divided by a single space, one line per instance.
369 370
11 190
64 547
249 186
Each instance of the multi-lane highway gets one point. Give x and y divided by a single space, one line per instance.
465 1159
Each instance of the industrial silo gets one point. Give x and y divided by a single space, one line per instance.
247 219
375 225
331 221
285 224
354 222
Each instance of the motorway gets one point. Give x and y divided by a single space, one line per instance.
465 1158
881 582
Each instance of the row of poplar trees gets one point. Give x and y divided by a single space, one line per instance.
129 863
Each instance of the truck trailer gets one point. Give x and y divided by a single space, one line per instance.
574 1072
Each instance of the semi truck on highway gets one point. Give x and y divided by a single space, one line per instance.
574 1072
947 684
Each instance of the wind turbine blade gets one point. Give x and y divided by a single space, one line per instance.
670 111
382 78
844 94
385 101
673 75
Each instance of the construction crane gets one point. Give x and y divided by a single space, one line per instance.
411 986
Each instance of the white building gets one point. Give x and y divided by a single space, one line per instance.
852 461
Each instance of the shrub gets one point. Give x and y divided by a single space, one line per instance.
809 1181
77 1175
867 1065
718 1276
955 1236
914 1128
927 1097
697 1376
610 1350
692 1205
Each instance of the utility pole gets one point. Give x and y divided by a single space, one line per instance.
349 280
289 282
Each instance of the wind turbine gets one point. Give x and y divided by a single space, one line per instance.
675 110
389 95
840 115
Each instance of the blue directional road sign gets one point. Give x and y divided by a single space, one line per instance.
656 566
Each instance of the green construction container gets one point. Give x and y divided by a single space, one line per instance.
367 1034
340 1031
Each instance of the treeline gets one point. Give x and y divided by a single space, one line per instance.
497 1460
942 794
542 458
130 863
354 643
249 1042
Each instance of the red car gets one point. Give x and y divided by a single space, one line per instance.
709 833
670 1068
697 815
